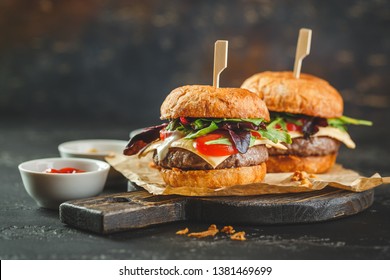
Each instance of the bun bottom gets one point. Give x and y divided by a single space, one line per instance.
290 163
214 179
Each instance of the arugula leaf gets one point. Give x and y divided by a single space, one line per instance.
348 120
276 135
254 121
222 140
337 123
294 121
202 131
172 125
343 121
280 121
198 124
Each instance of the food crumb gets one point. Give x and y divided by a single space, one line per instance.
299 175
302 177
305 183
182 232
240 236
92 151
212 231
228 229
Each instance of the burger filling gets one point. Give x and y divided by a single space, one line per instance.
186 160
200 143
314 146
314 136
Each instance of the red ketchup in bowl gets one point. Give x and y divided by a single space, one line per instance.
65 170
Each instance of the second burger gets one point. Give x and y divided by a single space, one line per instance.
311 111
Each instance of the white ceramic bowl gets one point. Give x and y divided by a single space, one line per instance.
49 190
91 148
94 149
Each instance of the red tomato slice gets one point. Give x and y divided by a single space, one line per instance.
216 150
165 134
293 127
256 134
184 121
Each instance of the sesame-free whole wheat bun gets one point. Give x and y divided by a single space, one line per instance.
309 96
198 101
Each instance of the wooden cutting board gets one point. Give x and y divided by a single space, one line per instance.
138 209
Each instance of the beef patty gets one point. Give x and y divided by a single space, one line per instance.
186 160
314 146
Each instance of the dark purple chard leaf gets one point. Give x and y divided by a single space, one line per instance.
242 125
241 139
143 138
308 128
240 134
322 122
311 125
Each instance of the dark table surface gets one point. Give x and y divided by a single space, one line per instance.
30 232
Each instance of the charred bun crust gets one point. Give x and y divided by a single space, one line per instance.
308 95
215 178
290 163
210 102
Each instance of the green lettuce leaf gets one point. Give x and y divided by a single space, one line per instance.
341 122
222 140
254 121
275 134
213 126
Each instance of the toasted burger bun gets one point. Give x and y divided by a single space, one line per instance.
214 179
307 95
290 163
210 102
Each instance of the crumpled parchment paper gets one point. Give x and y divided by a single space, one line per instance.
140 172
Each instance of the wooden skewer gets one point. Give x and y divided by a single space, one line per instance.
303 49
220 60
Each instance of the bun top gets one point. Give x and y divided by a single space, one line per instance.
307 95
209 102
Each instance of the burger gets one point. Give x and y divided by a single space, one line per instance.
311 111
213 137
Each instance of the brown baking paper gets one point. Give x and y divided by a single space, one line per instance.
138 171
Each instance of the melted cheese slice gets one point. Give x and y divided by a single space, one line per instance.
268 143
189 145
331 132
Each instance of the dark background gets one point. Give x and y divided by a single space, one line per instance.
98 69
119 59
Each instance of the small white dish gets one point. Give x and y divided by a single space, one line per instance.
91 148
49 190
94 149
